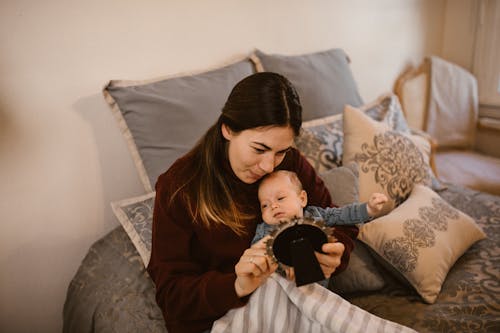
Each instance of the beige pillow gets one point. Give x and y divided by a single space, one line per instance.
421 239
321 139
389 162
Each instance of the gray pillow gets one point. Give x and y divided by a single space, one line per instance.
342 183
162 119
323 80
362 273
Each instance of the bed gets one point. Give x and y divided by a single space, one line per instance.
453 285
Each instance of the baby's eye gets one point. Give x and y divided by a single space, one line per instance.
281 198
264 206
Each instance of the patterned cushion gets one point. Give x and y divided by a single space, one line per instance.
136 217
321 140
389 162
421 239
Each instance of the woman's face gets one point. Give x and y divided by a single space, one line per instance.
256 152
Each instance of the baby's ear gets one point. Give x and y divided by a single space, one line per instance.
303 198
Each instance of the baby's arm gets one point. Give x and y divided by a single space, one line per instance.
347 215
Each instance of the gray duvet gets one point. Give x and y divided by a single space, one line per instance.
112 292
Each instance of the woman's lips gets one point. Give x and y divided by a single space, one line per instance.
255 175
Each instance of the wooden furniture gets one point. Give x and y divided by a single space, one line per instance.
462 164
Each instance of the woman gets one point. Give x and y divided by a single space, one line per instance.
206 207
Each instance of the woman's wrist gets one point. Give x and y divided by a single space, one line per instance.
240 292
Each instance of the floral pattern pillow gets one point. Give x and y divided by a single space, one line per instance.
321 140
136 217
389 162
421 239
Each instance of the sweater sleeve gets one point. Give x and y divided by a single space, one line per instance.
186 291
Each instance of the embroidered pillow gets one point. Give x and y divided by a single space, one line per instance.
421 239
389 162
321 140
136 217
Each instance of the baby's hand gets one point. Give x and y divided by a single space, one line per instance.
376 203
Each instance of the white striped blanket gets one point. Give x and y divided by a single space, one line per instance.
280 306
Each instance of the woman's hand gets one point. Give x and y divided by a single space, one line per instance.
253 268
290 272
330 260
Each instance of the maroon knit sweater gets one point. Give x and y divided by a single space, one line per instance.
192 267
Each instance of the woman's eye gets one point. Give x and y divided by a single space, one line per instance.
259 150
282 153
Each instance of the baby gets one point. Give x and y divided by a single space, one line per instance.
282 197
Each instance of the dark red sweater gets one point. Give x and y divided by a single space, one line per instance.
192 267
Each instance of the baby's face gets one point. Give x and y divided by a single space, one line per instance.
280 199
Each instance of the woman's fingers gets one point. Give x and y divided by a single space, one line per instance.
261 244
252 270
257 262
330 260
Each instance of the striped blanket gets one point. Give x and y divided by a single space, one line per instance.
280 306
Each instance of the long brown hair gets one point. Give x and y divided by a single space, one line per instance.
261 99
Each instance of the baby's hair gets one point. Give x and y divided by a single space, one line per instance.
290 174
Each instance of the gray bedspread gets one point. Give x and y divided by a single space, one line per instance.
112 292
470 297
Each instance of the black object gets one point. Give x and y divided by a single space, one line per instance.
305 263
295 245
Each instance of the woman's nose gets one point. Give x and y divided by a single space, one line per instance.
267 163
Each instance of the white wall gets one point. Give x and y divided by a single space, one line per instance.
459 32
62 159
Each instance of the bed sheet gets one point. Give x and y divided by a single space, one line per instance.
112 292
